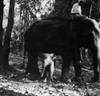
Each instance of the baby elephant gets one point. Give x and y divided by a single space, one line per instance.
47 66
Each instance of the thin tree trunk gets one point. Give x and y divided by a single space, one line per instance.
1 20
90 12
4 52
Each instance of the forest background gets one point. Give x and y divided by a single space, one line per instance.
17 15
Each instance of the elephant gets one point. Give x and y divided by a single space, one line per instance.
48 66
63 36
49 35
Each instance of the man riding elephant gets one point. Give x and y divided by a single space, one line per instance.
60 36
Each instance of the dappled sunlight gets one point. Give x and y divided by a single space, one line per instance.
20 80
5 18
14 82
45 7
36 88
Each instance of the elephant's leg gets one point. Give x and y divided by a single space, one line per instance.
32 66
76 64
43 70
96 64
46 73
66 62
51 71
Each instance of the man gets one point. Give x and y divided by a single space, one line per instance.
76 9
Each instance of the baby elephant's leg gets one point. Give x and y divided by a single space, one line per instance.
43 70
51 70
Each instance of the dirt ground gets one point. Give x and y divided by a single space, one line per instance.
16 84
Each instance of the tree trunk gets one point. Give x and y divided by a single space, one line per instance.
90 11
4 52
1 19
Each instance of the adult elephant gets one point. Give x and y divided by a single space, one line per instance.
48 35
86 34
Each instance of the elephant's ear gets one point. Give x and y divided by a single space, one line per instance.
52 55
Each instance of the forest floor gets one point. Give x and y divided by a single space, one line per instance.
16 84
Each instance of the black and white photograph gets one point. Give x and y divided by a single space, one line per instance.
49 47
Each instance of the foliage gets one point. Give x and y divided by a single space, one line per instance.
26 12
63 7
16 43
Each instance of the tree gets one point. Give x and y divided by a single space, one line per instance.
1 19
5 49
90 8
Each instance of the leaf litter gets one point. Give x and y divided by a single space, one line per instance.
13 85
